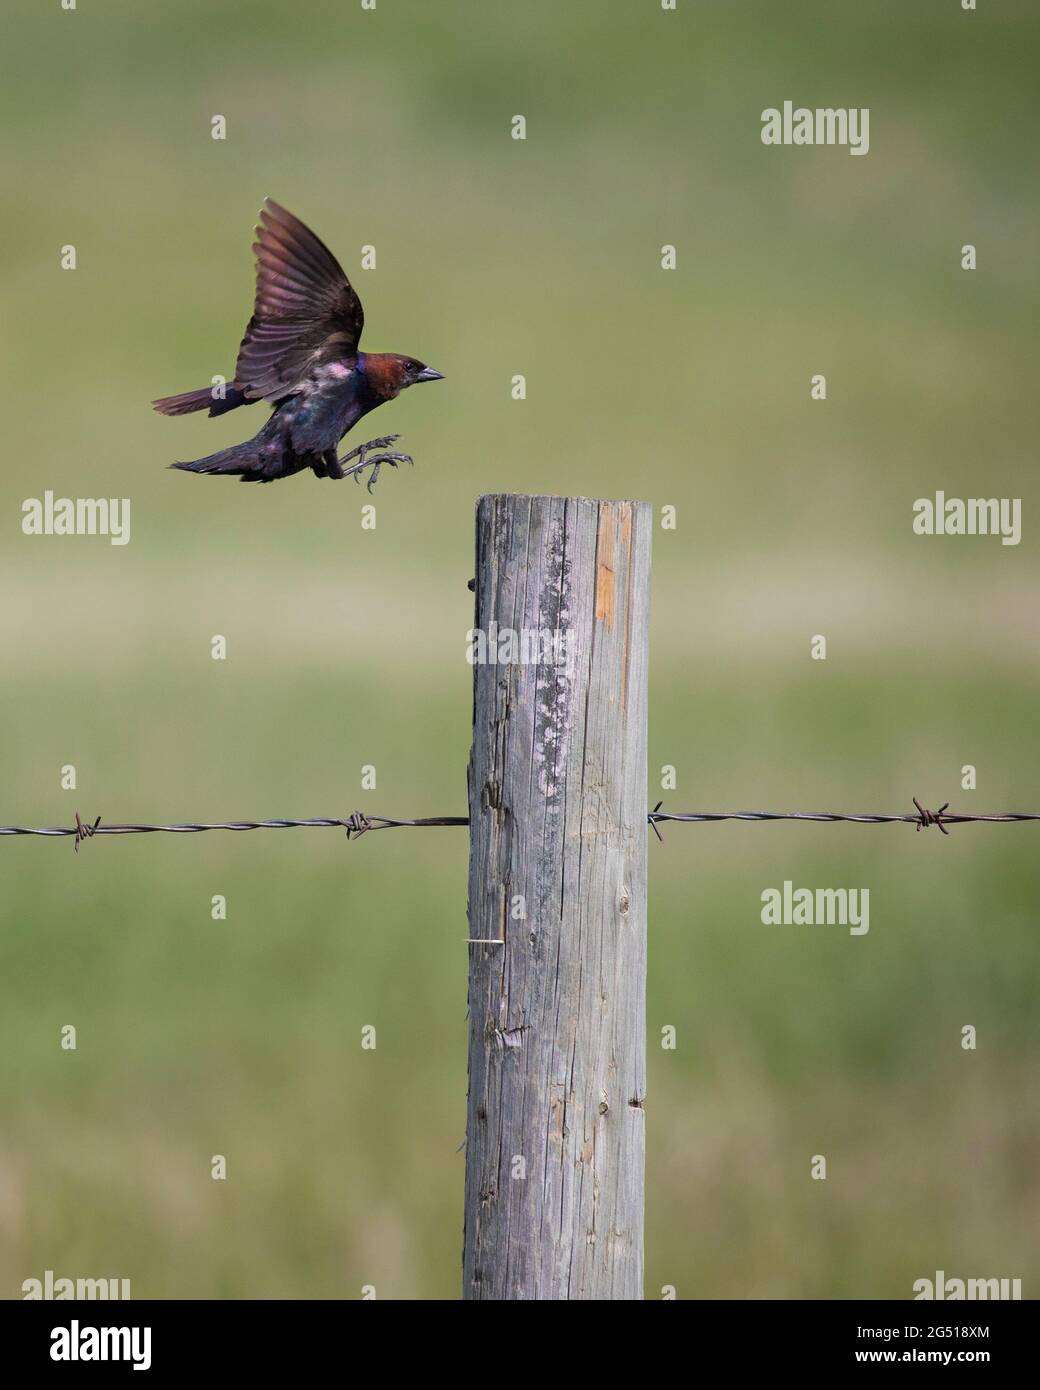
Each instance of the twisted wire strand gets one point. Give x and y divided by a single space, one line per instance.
353 825
949 817
358 823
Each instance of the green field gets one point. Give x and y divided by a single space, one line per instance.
346 647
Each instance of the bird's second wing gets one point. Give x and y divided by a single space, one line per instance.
305 311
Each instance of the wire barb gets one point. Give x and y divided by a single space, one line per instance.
357 824
84 832
928 818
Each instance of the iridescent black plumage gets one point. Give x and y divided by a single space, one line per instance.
300 352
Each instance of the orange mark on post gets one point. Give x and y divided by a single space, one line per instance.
605 567
626 543
626 524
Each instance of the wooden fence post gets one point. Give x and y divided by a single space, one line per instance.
557 876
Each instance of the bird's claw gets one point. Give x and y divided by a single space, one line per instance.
383 442
392 459
374 461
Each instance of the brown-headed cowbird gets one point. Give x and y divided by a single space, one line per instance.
300 352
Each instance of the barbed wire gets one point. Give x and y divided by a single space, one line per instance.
355 824
359 823
922 818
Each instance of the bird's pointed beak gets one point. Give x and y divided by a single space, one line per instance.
428 374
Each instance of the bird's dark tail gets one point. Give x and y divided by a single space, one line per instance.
241 460
188 401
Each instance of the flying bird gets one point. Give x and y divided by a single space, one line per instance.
300 353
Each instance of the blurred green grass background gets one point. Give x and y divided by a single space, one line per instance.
346 647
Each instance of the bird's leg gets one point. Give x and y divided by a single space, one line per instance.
331 462
367 459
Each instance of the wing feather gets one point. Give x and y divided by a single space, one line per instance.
305 311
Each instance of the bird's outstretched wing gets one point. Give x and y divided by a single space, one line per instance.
305 313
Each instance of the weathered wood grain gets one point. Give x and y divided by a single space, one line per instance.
558 843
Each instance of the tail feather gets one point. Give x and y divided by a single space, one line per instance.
242 460
188 401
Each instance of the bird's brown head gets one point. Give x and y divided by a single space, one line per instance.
390 372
